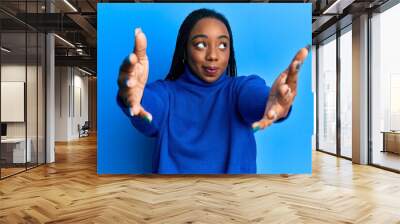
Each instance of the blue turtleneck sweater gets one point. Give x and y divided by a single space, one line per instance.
200 127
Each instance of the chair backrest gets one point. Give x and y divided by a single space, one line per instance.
86 125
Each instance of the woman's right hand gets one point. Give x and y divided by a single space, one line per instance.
133 76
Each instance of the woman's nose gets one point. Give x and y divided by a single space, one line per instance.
211 54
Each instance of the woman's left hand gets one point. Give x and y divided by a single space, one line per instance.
283 92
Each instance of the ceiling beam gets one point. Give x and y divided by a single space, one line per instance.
82 61
86 26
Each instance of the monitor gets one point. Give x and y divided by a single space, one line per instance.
3 129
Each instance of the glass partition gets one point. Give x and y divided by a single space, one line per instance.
327 95
385 89
13 95
22 64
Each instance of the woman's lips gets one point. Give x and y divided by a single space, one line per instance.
211 71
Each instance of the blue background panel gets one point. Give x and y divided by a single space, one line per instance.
266 37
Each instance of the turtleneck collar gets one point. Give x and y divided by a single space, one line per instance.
190 78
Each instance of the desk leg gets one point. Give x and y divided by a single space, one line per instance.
384 142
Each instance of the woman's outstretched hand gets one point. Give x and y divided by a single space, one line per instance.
133 76
283 92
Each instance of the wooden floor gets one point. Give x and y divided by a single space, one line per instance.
5 172
70 191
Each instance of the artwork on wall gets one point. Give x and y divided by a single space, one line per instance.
12 101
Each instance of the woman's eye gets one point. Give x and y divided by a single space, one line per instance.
200 45
222 45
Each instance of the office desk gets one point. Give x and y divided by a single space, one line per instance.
13 150
391 141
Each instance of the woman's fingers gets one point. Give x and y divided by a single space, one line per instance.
277 107
302 53
133 59
133 76
145 115
285 93
282 92
140 44
282 78
126 70
270 115
261 124
267 120
129 63
142 69
140 111
295 66
133 99
136 64
293 74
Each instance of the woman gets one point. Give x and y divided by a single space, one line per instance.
202 115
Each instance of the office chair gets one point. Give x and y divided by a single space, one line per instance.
84 130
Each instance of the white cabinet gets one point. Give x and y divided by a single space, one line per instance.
18 149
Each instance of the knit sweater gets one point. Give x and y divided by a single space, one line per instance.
200 127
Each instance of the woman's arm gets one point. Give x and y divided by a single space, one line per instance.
283 92
155 100
138 100
133 76
252 98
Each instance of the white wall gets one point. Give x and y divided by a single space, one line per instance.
33 127
12 73
80 102
71 94
61 103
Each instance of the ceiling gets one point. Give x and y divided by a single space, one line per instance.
75 23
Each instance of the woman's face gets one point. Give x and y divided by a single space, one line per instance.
208 49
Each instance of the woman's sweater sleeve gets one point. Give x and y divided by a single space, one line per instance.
252 98
155 101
